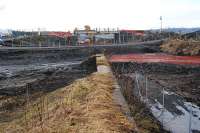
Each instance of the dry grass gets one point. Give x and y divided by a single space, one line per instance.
181 47
144 120
86 106
101 60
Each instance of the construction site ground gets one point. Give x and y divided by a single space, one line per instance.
85 106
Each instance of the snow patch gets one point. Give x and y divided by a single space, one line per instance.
178 123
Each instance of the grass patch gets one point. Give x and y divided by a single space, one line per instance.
86 106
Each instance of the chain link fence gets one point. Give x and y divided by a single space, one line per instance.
145 84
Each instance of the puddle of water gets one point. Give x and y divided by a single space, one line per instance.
9 71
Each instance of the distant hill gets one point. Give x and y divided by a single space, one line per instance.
180 30
193 35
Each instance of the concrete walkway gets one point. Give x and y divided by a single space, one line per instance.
117 95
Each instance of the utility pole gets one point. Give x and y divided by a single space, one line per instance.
119 35
12 42
161 23
196 36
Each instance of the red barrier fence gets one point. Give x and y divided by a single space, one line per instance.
157 58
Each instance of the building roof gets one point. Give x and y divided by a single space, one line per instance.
85 32
60 34
136 32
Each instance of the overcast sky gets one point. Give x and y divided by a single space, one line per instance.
125 14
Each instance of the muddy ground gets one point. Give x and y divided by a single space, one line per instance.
23 80
16 79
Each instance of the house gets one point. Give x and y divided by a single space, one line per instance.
85 36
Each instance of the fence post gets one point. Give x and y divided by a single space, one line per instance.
146 88
190 124
12 43
59 43
163 106
27 104
137 82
